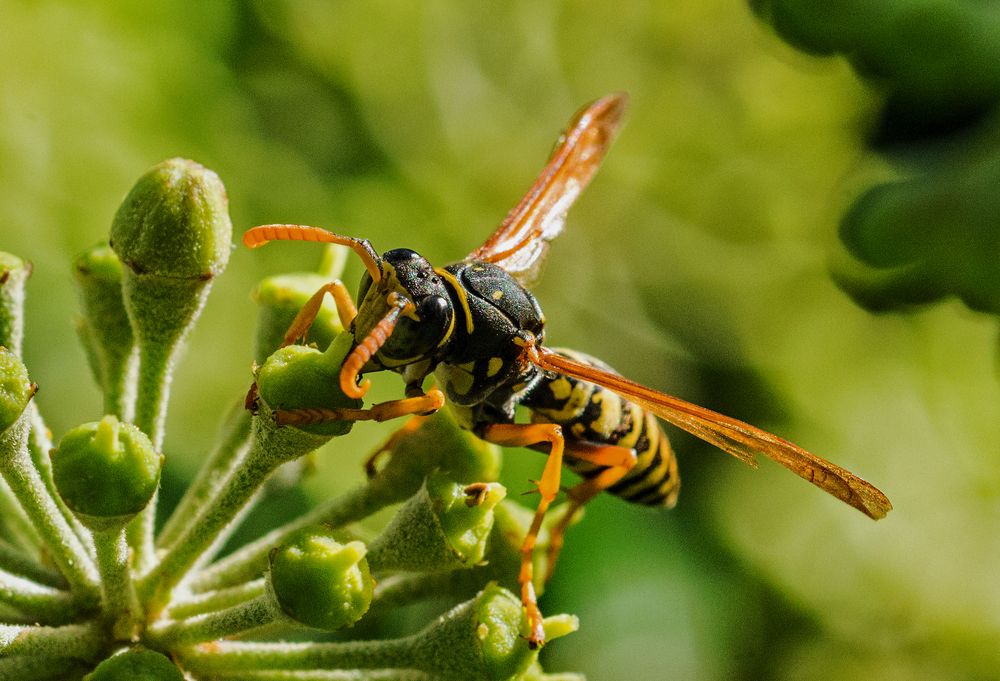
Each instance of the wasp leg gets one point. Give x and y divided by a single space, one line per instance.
307 315
618 460
384 411
522 435
371 463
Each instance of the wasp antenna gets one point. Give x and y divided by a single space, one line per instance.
260 235
367 348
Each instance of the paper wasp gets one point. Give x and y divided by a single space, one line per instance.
480 332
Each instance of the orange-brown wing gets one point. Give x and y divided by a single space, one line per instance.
728 434
521 241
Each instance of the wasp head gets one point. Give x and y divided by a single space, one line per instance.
422 327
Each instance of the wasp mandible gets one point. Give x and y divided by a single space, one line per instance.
475 326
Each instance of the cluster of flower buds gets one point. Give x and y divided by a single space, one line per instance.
89 589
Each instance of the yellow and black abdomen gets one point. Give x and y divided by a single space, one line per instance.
591 414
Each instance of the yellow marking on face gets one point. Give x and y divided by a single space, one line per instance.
463 297
494 366
391 284
578 429
497 295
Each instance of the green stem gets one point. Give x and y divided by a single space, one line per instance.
117 589
232 445
41 603
15 521
73 640
250 614
152 394
405 589
14 559
215 600
41 668
324 675
156 360
120 385
272 446
39 446
233 656
61 541
250 560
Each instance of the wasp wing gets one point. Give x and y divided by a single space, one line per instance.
728 434
520 242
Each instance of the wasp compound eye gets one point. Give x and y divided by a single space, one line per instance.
434 310
417 337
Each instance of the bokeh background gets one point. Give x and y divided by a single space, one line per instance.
804 237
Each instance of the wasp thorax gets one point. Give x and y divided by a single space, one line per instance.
421 328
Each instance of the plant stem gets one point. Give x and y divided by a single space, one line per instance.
73 640
215 600
152 394
250 560
34 668
256 612
324 675
14 559
228 453
249 656
61 541
37 601
39 446
117 588
272 446
16 521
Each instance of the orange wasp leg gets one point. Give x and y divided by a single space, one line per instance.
523 435
384 411
307 315
619 461
366 348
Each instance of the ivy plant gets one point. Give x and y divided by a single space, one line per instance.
91 588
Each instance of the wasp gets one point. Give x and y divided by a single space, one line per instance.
475 327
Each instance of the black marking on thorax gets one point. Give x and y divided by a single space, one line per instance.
492 312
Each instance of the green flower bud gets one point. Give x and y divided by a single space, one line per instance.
174 223
137 664
106 472
443 526
319 582
484 639
16 388
300 377
14 272
280 298
173 234
103 325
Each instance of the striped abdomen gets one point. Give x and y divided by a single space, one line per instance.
590 413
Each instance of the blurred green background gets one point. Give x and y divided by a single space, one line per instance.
699 262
